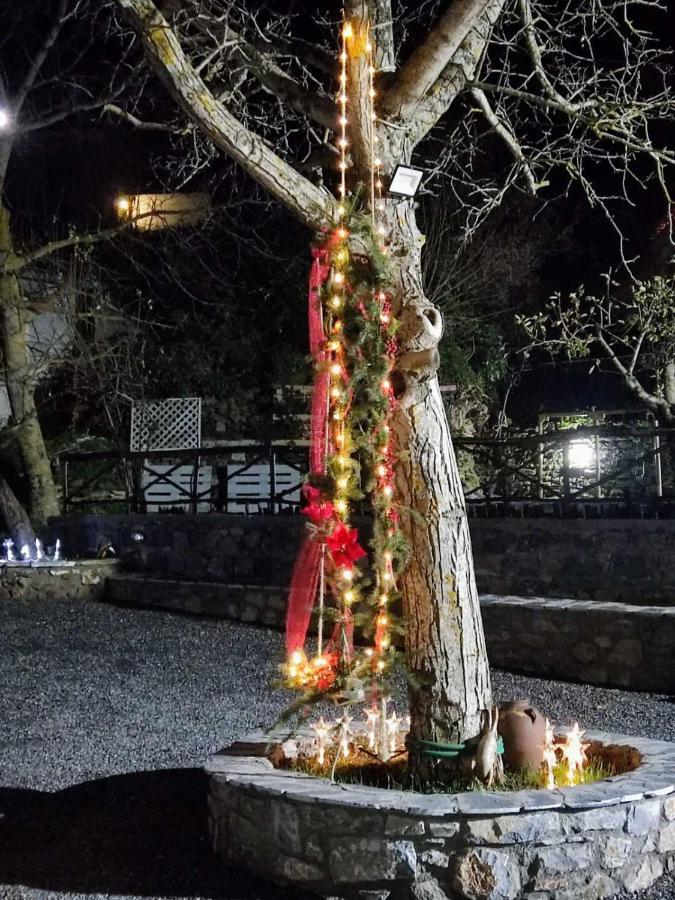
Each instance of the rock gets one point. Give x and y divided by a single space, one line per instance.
627 652
403 825
643 817
669 808
286 823
486 874
550 862
297 869
667 839
428 888
538 828
444 829
616 851
370 859
645 874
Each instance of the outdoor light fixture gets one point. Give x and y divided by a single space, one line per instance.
122 204
405 181
581 455
4 119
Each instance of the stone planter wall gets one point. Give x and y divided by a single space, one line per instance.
55 581
348 841
624 560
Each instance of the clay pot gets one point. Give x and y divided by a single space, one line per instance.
523 729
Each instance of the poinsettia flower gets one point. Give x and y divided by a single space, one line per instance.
344 545
317 510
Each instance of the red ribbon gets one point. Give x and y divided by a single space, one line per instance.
305 578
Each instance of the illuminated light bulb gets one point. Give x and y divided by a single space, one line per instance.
342 165
369 651
349 596
339 439
337 326
342 461
387 555
380 665
343 120
342 233
381 229
336 369
343 483
335 393
386 576
385 427
382 619
384 599
369 48
319 662
386 385
387 490
337 415
372 94
122 204
381 296
297 656
338 277
378 162
341 506
336 302
342 190
343 78
385 643
384 318
343 56
378 185
342 98
343 142
347 574
333 345
381 470
347 30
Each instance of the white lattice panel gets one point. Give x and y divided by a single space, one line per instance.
171 424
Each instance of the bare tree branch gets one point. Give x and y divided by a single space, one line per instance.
428 61
310 204
508 138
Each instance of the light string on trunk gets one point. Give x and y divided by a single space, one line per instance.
356 360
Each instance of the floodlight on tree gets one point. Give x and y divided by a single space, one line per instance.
405 181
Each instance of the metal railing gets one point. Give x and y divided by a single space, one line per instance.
629 473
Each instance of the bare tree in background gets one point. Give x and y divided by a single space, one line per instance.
46 77
528 73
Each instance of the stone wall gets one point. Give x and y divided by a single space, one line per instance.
56 581
630 561
611 644
350 841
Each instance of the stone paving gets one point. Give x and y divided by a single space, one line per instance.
107 716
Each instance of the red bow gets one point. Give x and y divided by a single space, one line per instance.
317 509
344 546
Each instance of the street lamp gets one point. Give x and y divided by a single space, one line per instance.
405 181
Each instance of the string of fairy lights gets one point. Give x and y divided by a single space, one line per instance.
339 298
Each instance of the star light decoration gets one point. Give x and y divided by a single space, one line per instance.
329 506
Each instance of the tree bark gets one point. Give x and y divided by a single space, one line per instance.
20 383
445 644
15 517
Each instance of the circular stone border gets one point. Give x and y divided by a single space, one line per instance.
352 841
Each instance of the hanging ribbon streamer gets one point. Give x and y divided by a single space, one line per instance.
318 449
307 569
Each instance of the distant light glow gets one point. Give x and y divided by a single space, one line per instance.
122 203
4 119
581 455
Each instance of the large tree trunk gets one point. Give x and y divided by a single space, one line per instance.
445 645
20 383
14 516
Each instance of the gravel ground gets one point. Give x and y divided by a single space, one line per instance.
106 716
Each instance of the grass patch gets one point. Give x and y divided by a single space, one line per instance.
393 775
